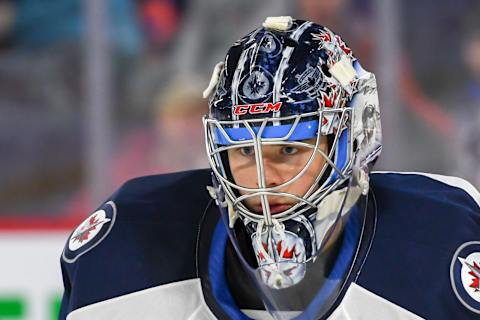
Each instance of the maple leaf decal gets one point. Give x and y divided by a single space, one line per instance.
475 281
84 232
343 46
322 36
287 254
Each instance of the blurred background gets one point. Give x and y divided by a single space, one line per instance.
95 92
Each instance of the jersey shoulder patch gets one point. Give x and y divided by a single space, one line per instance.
465 275
90 232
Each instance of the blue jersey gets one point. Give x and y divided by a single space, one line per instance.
148 253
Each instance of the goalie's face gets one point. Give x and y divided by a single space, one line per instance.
281 163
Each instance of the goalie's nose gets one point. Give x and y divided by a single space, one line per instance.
273 175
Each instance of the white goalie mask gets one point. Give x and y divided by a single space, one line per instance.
293 84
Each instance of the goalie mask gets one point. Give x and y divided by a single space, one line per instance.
292 131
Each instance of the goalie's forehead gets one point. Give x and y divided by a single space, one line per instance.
287 61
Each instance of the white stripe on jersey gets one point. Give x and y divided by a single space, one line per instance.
184 300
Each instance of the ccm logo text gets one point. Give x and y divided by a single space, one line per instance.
255 108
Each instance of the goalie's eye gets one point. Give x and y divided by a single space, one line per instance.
247 151
289 150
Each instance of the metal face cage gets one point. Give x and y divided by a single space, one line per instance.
221 136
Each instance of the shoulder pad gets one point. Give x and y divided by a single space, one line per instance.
448 181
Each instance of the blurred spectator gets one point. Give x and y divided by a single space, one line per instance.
467 107
175 142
